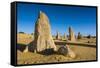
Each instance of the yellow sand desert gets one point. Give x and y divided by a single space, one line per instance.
83 52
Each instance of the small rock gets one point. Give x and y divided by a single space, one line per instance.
70 52
63 50
25 62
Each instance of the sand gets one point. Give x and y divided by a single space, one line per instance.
83 53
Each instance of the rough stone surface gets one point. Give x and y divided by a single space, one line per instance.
71 54
71 34
43 39
63 50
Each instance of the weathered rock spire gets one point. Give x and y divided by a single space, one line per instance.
43 39
71 34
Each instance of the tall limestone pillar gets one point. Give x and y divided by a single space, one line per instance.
43 39
71 34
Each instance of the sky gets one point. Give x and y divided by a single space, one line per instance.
81 19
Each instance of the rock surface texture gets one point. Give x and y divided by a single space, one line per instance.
43 39
71 34
63 50
70 52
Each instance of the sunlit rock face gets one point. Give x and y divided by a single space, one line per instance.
71 34
43 39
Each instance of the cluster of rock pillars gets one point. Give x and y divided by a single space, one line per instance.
43 40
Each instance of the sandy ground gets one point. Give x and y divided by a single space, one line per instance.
24 38
82 54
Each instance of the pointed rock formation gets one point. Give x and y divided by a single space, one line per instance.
71 34
43 39
58 36
71 53
79 35
65 37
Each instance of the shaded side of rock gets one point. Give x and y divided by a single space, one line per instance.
63 50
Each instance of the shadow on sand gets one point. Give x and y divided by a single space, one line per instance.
22 47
